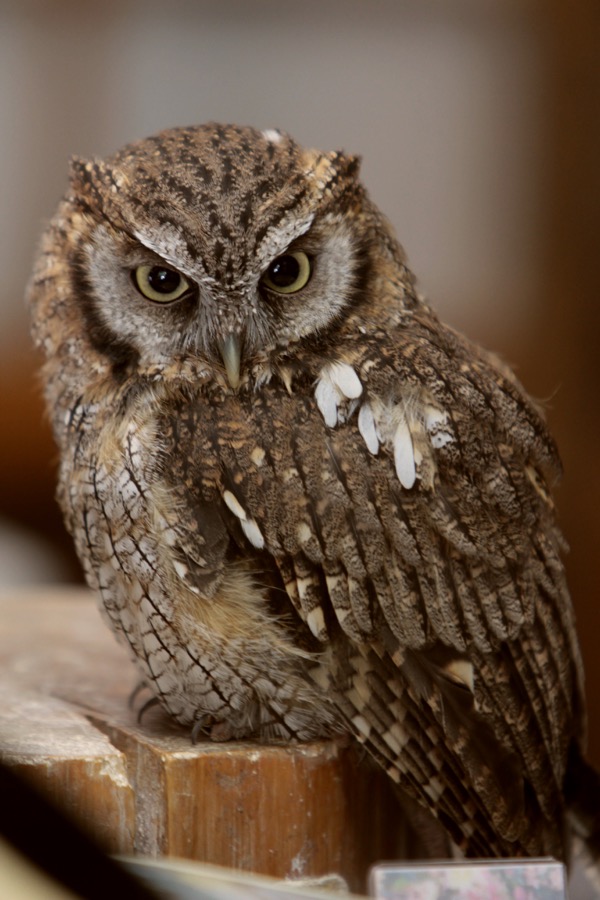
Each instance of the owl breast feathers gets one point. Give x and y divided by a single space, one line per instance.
307 506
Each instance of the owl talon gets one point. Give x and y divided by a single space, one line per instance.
140 686
202 726
153 701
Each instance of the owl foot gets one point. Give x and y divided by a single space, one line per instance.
221 731
152 701
203 725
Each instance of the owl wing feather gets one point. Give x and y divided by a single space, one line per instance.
449 587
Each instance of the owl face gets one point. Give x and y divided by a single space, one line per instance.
225 244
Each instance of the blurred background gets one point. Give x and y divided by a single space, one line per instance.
479 126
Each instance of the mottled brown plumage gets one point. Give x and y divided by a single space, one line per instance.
307 505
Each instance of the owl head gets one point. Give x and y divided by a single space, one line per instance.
220 243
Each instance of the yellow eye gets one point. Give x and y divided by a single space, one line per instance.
288 273
160 284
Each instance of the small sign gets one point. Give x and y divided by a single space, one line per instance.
522 879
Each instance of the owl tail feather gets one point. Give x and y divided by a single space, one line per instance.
582 794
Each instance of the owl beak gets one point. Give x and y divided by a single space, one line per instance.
231 352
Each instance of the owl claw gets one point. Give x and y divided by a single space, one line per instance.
202 725
216 731
153 701
140 686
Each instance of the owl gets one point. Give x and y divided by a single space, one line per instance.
307 506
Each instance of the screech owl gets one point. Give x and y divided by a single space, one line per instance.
307 506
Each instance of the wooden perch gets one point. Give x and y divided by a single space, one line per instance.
302 810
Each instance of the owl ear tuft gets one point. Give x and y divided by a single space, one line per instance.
335 172
94 181
344 165
86 173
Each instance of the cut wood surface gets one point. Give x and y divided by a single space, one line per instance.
300 810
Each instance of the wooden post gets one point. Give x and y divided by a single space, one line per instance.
302 810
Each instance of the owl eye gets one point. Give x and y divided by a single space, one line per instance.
288 273
160 284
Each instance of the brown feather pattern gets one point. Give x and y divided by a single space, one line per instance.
341 525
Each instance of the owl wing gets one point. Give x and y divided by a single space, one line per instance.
401 496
